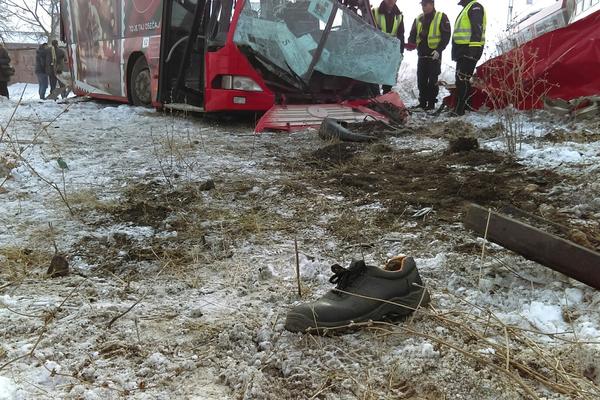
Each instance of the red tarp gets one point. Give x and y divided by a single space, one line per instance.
564 63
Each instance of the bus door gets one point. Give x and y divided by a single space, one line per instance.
182 54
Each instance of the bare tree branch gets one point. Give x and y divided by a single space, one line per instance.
41 16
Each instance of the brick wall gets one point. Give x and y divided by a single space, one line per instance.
23 59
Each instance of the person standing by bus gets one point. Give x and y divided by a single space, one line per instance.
55 64
389 19
467 47
6 71
40 70
430 34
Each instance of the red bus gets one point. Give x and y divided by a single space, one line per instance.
225 55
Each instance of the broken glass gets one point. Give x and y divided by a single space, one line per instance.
288 33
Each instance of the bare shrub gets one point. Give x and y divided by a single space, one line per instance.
175 153
511 83
16 149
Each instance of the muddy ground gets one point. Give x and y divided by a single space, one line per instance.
182 274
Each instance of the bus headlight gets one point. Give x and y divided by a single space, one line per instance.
239 83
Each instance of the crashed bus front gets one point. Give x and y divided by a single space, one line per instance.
316 50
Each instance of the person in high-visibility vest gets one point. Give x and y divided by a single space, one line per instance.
430 34
468 40
389 19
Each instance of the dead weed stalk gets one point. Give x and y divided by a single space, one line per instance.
175 153
512 87
18 152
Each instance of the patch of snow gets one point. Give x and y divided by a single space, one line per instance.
568 153
545 317
436 262
573 297
8 389
423 350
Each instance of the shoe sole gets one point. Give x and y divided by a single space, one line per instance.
301 323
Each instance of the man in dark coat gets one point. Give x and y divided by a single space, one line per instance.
430 34
6 71
55 64
40 69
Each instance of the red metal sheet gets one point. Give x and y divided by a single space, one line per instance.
301 116
567 60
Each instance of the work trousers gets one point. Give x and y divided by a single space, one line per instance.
43 84
4 89
53 81
465 66
428 71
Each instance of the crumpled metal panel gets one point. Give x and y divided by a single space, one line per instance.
295 117
287 35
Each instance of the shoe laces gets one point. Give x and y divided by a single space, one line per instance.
343 277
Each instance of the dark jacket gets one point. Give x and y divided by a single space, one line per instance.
389 21
423 48
56 66
40 60
476 17
61 60
5 69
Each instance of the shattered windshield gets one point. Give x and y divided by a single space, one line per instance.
287 34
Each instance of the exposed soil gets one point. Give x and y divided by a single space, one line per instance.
404 182
156 207
442 181
463 143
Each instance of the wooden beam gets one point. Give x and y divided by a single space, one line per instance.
551 251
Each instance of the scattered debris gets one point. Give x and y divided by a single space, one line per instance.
331 129
423 212
581 108
463 143
59 266
536 245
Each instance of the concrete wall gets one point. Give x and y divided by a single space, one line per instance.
23 59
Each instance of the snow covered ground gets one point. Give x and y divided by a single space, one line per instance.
180 289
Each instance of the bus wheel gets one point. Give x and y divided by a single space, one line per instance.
140 83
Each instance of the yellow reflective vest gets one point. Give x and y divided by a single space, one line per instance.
462 28
435 35
381 22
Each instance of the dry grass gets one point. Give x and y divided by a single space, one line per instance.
19 263
88 199
520 357
349 227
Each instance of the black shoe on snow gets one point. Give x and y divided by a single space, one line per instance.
363 293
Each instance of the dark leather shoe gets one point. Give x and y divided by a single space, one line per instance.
363 293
